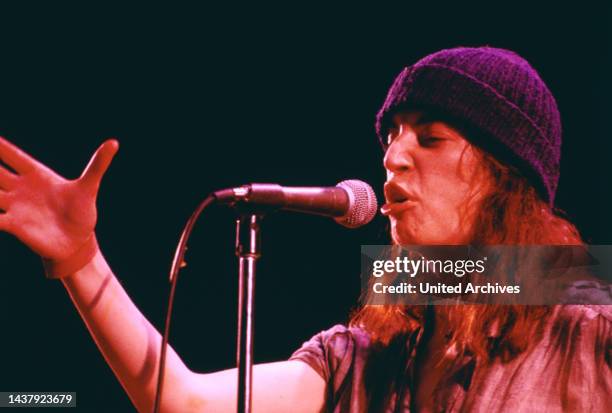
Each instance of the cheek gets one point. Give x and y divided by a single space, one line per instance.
438 217
447 188
445 218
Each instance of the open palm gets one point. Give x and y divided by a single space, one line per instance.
52 215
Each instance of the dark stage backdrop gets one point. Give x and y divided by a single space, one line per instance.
204 98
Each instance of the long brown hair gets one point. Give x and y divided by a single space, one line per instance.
510 214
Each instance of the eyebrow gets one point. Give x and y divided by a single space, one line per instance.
428 118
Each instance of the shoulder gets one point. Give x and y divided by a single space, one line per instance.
583 313
589 292
342 336
338 340
585 330
334 350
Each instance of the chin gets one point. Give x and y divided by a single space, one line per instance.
415 237
400 237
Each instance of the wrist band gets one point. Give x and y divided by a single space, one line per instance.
63 268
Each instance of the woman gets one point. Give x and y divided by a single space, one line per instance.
473 142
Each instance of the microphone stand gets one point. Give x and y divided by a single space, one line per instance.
248 250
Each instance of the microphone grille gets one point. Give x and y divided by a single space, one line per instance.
363 203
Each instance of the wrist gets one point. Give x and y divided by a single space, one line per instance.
55 269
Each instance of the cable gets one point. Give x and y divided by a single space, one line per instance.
177 263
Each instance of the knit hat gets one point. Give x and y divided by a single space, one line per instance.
495 93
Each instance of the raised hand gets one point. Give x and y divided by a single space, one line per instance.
52 215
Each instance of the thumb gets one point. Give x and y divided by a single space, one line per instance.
99 163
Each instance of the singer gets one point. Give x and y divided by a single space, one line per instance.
472 140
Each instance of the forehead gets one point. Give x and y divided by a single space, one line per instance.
428 120
410 117
418 118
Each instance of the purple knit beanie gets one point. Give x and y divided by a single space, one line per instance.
496 94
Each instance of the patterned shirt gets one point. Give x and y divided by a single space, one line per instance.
568 370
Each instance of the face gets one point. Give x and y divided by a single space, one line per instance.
434 181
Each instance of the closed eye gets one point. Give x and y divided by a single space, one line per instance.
429 141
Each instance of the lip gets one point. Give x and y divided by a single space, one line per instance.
396 208
398 198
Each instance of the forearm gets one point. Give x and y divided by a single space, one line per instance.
128 342
56 217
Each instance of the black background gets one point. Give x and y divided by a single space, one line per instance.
202 98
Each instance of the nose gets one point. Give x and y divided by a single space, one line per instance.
399 155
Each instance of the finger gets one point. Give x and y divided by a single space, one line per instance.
4 200
4 222
99 163
7 179
14 157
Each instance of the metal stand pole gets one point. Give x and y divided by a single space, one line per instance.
248 251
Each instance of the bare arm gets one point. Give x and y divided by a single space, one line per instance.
55 217
131 345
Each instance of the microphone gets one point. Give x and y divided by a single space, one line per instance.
352 203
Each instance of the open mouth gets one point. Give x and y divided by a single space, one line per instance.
394 193
398 199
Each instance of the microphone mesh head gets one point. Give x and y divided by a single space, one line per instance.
363 203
